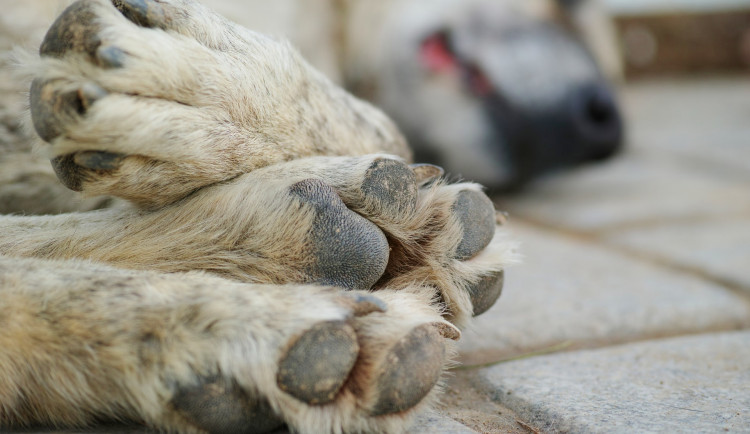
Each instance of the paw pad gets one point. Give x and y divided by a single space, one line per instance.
476 213
485 293
347 250
392 185
318 363
410 371
217 406
74 30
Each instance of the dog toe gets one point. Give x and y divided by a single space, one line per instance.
347 250
318 363
217 406
485 293
410 371
476 214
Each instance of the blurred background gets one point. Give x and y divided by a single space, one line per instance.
677 37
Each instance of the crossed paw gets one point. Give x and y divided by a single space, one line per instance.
249 165
150 100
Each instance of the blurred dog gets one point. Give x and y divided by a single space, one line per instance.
496 91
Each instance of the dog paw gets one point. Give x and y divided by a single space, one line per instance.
197 353
149 100
438 234
360 364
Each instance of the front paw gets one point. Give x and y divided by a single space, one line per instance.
438 234
368 364
150 100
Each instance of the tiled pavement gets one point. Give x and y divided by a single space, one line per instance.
637 272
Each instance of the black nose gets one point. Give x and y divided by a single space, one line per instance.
597 121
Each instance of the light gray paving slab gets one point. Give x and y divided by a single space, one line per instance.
435 423
571 290
688 384
700 122
720 249
629 191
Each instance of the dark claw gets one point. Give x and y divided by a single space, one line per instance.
68 172
98 160
348 250
476 213
392 185
362 305
319 362
51 108
145 13
425 173
217 406
110 57
447 330
486 292
88 94
74 30
410 371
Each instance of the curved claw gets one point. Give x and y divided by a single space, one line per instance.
362 304
145 13
426 172
447 330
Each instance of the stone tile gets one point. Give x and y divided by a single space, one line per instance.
720 249
688 384
628 191
435 423
571 290
700 122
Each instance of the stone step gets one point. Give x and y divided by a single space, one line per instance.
690 384
568 290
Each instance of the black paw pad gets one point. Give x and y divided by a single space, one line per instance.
476 213
347 250
145 13
218 406
74 30
485 293
318 363
52 108
391 185
410 371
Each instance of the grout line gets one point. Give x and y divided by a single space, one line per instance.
595 239
571 346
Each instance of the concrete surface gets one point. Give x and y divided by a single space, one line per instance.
687 384
646 259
